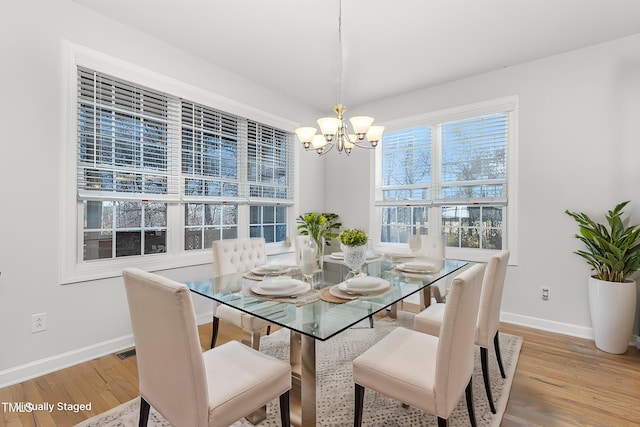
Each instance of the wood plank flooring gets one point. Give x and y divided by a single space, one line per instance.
560 381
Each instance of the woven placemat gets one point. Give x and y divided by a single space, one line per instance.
326 295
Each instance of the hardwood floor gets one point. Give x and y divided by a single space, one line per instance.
560 381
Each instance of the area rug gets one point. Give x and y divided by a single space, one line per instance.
335 385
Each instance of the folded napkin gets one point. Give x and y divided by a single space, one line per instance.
420 266
363 283
280 284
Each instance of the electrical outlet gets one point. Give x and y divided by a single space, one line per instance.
38 322
545 293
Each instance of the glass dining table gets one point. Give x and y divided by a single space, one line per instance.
318 315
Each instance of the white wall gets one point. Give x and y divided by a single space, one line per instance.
83 319
579 145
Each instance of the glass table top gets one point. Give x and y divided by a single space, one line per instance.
319 319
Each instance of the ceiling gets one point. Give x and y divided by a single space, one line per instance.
388 47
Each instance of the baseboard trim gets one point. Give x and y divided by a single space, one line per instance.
50 364
47 365
547 325
557 327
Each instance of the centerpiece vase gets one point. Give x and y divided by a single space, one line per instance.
354 258
320 244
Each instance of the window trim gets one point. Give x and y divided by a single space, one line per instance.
72 268
508 104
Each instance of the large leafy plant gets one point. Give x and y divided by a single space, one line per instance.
319 225
613 251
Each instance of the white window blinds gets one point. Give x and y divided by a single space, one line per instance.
474 160
269 165
407 165
124 141
210 154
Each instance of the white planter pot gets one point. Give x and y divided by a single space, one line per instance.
613 311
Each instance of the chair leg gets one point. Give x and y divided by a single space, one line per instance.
359 401
214 333
485 376
442 422
285 414
496 344
469 394
371 322
144 412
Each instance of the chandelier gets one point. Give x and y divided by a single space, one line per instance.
334 131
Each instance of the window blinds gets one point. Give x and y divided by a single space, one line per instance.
474 160
269 165
463 161
407 165
124 142
210 154
139 144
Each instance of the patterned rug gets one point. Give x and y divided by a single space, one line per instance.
335 385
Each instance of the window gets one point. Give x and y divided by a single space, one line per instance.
159 177
449 173
127 150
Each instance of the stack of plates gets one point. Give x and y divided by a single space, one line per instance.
270 269
279 287
418 267
364 285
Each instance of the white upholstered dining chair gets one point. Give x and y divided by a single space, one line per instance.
186 386
427 372
430 319
429 248
238 256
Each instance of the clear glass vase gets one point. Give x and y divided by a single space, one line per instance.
307 259
320 244
354 258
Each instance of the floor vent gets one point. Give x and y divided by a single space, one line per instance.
127 354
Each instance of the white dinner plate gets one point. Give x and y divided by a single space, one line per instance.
337 255
269 269
281 287
364 285
418 267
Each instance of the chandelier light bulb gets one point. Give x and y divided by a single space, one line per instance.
361 125
329 126
375 134
305 135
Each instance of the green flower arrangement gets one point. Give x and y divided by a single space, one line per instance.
319 225
353 237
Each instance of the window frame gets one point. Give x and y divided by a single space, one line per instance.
73 268
507 105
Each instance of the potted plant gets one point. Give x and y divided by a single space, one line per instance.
613 252
354 245
320 227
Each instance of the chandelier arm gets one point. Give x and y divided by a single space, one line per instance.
330 145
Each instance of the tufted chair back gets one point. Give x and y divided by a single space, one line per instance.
431 246
238 255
